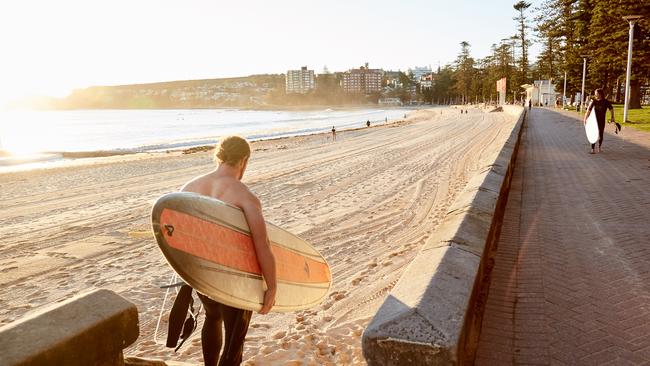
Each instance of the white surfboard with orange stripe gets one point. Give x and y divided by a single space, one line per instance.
207 242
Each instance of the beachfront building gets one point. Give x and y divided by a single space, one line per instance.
392 79
418 72
426 82
362 80
300 81
541 93
390 101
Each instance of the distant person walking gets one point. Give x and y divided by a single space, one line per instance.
530 104
333 133
600 105
368 123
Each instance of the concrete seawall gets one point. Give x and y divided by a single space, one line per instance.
433 314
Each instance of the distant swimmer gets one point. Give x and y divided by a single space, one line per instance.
224 183
333 133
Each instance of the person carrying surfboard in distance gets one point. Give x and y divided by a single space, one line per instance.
600 105
224 183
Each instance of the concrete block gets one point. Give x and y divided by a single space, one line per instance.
419 321
88 329
464 230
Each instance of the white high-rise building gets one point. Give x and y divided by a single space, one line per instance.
419 71
300 81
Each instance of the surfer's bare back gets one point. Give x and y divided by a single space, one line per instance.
224 183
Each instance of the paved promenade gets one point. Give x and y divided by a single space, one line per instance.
571 282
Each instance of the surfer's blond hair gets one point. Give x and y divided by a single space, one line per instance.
231 150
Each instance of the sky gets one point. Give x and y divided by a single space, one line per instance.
52 47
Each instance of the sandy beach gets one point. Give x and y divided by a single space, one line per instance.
367 201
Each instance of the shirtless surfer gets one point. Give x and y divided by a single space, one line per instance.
224 183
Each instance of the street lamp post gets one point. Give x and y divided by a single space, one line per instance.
630 19
584 72
564 92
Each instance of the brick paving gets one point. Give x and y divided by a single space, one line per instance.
571 281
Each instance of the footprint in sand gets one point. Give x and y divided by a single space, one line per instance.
279 335
285 345
260 325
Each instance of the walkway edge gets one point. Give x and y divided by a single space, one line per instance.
434 313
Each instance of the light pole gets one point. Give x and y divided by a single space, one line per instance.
564 92
631 19
584 72
512 87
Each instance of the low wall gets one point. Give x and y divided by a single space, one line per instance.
434 313
89 329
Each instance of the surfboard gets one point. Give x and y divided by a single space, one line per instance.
208 243
591 127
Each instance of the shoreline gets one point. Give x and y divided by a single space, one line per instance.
264 108
67 159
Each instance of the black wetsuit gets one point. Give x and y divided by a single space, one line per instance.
236 325
600 107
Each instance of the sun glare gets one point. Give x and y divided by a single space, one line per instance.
20 135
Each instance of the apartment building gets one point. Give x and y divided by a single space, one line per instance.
362 80
426 81
300 81
419 71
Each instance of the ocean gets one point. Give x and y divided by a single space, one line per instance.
46 135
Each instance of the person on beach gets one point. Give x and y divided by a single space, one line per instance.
600 105
224 183
368 123
333 133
